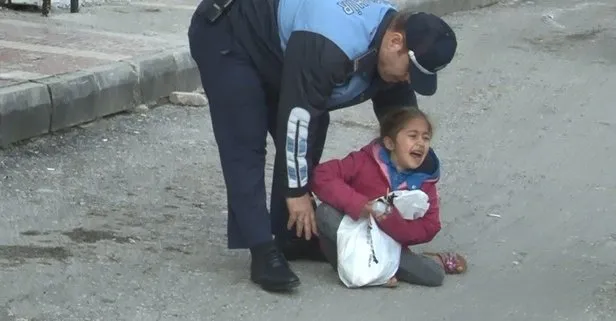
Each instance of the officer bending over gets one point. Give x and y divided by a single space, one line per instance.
280 66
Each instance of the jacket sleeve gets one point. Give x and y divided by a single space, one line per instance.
331 184
312 66
421 230
395 96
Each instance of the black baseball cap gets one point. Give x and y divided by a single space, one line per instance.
432 45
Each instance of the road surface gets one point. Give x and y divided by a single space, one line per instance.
124 219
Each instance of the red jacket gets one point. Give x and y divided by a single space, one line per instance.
364 175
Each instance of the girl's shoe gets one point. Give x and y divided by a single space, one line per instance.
452 262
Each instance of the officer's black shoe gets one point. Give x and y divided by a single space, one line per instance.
270 269
300 249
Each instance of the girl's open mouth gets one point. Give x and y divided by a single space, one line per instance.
417 154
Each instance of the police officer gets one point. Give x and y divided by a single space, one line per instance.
280 66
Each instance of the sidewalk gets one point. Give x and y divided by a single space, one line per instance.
68 69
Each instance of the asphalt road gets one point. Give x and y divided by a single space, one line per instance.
124 219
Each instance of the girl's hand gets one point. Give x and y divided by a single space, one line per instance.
380 217
369 210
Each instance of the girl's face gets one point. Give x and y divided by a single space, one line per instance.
411 144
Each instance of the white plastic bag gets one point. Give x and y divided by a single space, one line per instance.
366 255
411 204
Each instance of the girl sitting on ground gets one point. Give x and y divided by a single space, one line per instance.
400 159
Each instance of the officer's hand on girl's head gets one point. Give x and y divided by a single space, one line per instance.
301 215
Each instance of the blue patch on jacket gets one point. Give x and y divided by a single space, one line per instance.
360 18
429 169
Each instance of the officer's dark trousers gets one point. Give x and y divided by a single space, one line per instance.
243 111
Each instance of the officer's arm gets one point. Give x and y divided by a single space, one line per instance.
312 65
396 96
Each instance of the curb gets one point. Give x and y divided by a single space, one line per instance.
34 108
38 107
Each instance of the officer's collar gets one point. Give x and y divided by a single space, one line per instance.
366 63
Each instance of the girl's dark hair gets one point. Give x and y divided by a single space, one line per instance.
393 122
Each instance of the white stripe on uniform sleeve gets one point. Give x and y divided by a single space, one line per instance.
297 146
